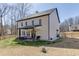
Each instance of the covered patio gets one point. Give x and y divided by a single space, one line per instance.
32 33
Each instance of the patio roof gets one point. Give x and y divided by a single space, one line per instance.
29 27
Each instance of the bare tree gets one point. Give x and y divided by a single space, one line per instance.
65 26
13 16
70 21
3 11
23 9
76 20
17 11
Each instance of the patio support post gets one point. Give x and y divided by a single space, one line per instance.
19 32
33 34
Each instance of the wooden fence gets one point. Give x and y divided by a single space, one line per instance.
69 34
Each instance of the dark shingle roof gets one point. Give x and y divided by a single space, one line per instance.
47 12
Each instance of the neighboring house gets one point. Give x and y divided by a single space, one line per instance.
74 27
7 32
45 24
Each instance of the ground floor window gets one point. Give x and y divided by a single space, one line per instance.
23 32
28 33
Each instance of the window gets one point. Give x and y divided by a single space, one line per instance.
26 23
23 32
29 22
76 27
21 23
32 22
28 33
39 21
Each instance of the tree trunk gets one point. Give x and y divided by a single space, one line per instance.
1 27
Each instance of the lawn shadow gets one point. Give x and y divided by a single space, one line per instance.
70 43
31 43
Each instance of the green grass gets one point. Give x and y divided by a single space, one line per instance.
7 42
32 43
14 42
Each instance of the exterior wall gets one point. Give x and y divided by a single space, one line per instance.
41 30
54 25
49 26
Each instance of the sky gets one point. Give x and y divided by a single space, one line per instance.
65 10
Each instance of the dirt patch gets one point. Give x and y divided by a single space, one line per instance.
67 43
36 51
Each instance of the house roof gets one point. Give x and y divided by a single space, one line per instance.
47 12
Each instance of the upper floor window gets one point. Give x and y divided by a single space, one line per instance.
36 22
26 23
40 22
76 27
21 23
32 22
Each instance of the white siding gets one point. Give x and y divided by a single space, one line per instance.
41 30
54 24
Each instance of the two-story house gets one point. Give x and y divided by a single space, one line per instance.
44 24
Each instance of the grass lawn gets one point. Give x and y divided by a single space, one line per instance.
63 47
15 42
8 42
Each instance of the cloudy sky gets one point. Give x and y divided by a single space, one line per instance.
65 10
